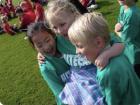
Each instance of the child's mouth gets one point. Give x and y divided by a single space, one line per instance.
50 52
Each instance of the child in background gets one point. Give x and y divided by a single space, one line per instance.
26 5
43 39
120 84
25 18
5 11
7 28
10 6
128 29
39 11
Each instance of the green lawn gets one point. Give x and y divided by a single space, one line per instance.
20 79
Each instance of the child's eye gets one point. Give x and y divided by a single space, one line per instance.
47 40
79 46
39 45
62 24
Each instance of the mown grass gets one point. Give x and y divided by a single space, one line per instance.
20 79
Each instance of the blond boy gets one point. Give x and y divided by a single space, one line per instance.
120 85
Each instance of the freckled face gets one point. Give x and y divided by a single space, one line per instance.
44 43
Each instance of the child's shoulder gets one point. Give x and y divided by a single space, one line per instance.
118 65
53 63
118 61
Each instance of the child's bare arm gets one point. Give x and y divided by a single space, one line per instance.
118 33
104 57
118 27
40 58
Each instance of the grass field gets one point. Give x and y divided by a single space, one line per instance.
20 79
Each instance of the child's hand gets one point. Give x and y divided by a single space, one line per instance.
118 27
41 58
102 60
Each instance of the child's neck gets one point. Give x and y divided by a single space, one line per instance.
57 54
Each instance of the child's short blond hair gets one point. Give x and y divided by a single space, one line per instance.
87 27
55 7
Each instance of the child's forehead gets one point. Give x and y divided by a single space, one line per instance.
41 37
43 34
46 33
61 18
61 14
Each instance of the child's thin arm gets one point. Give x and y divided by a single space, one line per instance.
117 29
40 58
118 34
113 51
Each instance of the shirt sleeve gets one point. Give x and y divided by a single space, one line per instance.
49 74
114 85
114 39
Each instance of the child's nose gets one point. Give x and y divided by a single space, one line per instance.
47 48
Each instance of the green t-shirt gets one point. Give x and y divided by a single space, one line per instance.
130 33
133 53
65 46
51 71
119 83
69 53
130 19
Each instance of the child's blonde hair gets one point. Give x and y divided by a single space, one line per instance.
55 7
87 27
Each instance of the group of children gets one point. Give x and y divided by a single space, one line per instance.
82 63
7 8
27 12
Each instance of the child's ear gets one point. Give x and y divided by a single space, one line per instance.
99 41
